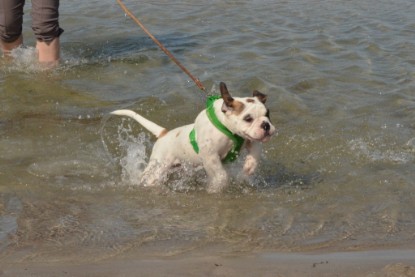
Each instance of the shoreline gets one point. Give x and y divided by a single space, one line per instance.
359 263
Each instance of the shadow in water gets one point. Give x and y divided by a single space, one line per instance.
280 177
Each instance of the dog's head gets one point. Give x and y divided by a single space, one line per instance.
247 117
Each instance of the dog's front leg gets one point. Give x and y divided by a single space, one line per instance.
252 159
217 176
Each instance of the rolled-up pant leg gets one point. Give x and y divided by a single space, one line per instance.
45 19
11 19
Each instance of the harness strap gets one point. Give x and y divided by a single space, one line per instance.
237 140
193 142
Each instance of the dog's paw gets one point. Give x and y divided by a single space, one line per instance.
250 165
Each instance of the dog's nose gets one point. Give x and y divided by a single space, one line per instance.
265 125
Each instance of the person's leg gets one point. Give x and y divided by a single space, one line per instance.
49 51
11 21
45 15
7 47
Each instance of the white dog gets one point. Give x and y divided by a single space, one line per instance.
218 134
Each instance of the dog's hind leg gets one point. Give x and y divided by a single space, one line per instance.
154 174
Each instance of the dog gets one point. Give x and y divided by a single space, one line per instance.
219 132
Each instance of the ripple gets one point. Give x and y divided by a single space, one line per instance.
371 150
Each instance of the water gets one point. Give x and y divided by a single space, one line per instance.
339 176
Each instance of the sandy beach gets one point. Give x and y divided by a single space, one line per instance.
365 263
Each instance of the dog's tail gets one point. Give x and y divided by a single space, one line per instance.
155 129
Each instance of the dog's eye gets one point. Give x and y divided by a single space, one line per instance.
248 118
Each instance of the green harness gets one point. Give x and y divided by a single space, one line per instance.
237 140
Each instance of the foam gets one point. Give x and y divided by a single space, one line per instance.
24 59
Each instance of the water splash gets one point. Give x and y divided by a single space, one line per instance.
24 60
130 153
135 160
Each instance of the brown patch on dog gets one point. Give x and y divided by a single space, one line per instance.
230 104
238 107
249 100
163 133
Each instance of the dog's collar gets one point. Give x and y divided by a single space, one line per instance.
237 140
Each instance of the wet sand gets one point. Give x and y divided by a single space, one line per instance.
364 263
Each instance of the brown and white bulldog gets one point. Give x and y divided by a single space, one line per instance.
226 126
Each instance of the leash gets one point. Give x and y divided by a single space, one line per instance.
237 140
159 44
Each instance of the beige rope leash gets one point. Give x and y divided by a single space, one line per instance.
165 50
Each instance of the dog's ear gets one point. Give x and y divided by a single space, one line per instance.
227 98
229 103
261 97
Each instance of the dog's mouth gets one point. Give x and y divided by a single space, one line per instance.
265 138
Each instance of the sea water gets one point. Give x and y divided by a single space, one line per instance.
340 174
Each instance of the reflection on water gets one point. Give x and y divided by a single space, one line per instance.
340 174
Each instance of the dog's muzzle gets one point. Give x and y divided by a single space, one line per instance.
266 126
268 131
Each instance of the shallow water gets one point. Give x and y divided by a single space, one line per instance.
339 175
